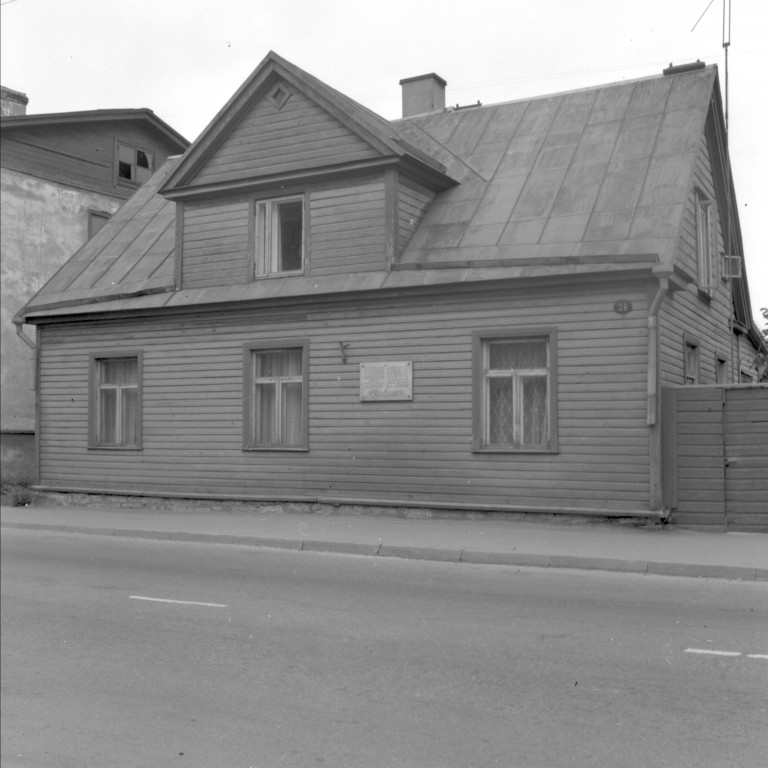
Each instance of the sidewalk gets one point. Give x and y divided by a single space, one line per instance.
664 551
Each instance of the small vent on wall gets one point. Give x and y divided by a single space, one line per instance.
279 95
731 267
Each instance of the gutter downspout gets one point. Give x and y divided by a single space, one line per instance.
20 333
19 323
653 349
656 493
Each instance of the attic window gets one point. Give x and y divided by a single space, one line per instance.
704 244
279 96
134 165
279 236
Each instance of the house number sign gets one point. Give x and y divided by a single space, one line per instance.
622 307
386 381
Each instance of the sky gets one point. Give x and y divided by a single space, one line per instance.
185 58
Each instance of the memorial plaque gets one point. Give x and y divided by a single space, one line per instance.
386 381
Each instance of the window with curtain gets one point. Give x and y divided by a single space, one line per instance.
515 393
275 407
116 402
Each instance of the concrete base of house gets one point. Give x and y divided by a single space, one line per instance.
341 507
18 460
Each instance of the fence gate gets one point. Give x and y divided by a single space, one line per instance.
716 456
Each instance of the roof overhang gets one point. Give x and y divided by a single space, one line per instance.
91 117
331 288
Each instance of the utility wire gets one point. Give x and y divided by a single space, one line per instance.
702 15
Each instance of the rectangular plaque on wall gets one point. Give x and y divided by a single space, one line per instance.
386 381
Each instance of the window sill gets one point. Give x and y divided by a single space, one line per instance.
273 275
504 449
133 448
275 449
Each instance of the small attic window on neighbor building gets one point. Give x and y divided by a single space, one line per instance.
133 164
96 220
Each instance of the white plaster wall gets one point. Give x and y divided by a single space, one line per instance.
42 225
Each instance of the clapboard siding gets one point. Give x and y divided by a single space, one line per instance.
703 180
80 155
413 451
414 201
216 243
745 360
345 232
705 320
270 141
347 228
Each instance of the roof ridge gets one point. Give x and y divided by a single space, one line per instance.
555 94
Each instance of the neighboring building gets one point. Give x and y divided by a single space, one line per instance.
62 176
469 308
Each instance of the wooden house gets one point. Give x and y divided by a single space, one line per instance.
464 309
63 176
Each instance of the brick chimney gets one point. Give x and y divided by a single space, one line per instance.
12 103
425 93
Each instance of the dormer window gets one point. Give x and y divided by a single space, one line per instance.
279 236
704 244
134 165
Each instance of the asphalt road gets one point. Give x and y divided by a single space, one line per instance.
284 658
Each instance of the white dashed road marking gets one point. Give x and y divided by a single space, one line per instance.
708 652
176 602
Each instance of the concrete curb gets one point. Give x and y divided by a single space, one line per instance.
475 557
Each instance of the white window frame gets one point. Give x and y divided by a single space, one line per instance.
705 247
97 387
252 381
267 236
483 376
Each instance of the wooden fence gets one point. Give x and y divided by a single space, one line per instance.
716 456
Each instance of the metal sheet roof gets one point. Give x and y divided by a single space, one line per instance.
131 254
604 170
562 182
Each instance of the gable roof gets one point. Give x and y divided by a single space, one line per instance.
593 180
382 139
89 117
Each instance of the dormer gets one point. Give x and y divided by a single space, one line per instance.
293 178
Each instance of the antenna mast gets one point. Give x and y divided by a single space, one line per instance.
729 215
726 45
